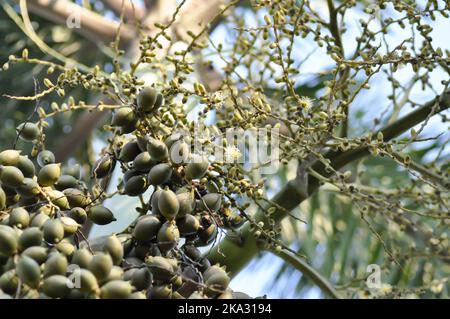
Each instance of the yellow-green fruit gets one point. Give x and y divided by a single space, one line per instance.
31 236
45 157
114 248
197 167
159 101
141 278
56 286
161 292
103 167
53 231
188 225
123 116
168 204
146 99
146 228
28 131
39 219
143 162
161 268
2 199
168 236
154 201
28 271
116 273
73 170
59 199
211 202
56 264
159 174
101 265
187 203
136 185
65 182
100 215
70 225
82 257
11 176
217 282
116 289
8 241
76 197
65 247
19 217
88 282
9 281
49 174
26 166
78 214
29 188
9 157
37 253
138 295
157 149
129 151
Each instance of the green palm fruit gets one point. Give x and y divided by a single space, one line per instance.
136 185
114 248
76 197
56 286
37 253
142 142
101 265
87 281
161 268
19 217
179 152
137 295
228 294
65 247
197 295
157 149
26 166
11 176
154 201
45 157
146 99
49 174
129 151
172 139
187 203
116 273
197 167
53 231
100 215
159 101
28 131
116 289
123 116
38 220
143 162
78 214
207 235
32 236
103 167
168 204
56 264
213 270
188 225
161 292
70 225
66 181
9 281
129 174
28 188
9 157
211 202
28 271
192 252
82 257
129 128
59 199
146 228
2 199
216 279
160 174
8 241
141 278
168 236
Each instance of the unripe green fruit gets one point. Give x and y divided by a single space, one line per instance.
28 271
59 199
141 278
88 282
78 214
45 157
65 182
101 265
103 167
76 197
2 199
28 131
157 149
116 273
38 220
161 292
11 176
100 215
160 174
138 295
123 116
211 202
56 286
216 279
31 236
53 231
56 264
65 247
192 252
82 257
136 185
9 282
49 174
161 268
142 142
207 235
188 225
187 203
116 289
146 99
8 241
29 188
154 201
26 166
9 157
143 162
159 101
129 128
197 167
70 225
37 253
146 228
114 248
168 204
73 170
129 151
19 217
168 236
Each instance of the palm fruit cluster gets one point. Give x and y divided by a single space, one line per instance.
43 205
